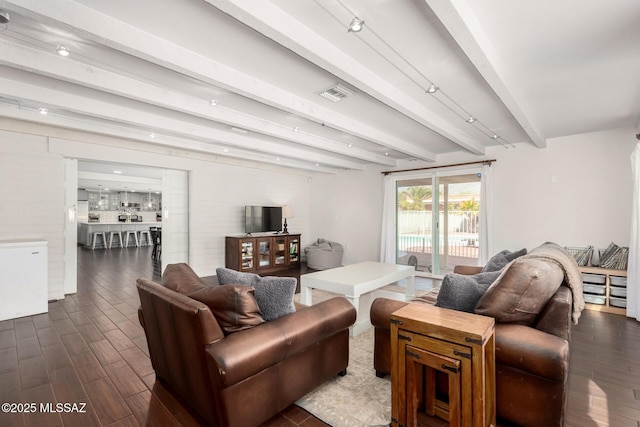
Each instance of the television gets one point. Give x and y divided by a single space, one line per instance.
260 219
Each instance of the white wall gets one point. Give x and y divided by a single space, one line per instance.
32 197
588 203
347 208
575 192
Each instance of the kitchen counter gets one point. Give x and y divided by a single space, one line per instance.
88 228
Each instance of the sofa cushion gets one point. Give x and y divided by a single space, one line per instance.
274 294
460 292
181 278
521 291
234 307
501 259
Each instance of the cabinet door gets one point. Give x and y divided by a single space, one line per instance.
264 252
280 251
247 254
294 249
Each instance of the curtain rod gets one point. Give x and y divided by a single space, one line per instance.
482 162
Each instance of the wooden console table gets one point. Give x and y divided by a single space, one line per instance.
426 339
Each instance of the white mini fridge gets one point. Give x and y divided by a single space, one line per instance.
24 285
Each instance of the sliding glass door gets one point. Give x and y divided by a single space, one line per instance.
437 221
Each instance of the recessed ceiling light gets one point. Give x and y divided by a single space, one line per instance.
226 150
213 102
494 136
356 25
350 144
117 172
317 164
152 135
43 111
386 154
63 50
296 129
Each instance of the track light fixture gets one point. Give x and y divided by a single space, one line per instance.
432 89
356 25
63 50
471 119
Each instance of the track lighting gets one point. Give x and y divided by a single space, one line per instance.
63 50
432 89
356 25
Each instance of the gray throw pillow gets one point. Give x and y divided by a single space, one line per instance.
461 292
227 276
273 294
502 258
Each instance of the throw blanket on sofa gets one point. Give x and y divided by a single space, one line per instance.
573 278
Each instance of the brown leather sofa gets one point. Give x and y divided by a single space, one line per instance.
242 378
532 362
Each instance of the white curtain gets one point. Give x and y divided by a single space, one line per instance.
633 270
388 234
486 214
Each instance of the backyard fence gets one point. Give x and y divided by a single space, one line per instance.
415 231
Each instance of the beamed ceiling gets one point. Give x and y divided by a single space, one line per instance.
526 71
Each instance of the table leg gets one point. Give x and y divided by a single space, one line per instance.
410 290
305 294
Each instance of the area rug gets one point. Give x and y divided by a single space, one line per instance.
359 399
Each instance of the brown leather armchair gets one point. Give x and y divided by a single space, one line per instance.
532 362
242 378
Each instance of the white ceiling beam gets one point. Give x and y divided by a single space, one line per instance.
59 98
121 36
25 115
67 69
281 27
465 29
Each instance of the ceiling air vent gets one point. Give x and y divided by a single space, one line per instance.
336 93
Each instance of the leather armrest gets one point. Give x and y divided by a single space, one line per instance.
530 350
381 310
243 354
467 270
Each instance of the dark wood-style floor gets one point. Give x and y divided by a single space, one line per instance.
89 348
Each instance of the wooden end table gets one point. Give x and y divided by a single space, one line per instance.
426 339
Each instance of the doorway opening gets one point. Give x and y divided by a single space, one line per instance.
115 195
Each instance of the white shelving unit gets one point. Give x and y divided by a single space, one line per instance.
608 305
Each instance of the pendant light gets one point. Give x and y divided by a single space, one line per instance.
126 197
150 204
100 197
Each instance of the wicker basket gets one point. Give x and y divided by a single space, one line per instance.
582 255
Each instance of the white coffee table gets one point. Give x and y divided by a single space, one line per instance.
357 282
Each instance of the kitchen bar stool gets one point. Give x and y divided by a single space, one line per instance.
135 238
95 238
147 236
114 234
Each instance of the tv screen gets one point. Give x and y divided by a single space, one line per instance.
260 219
